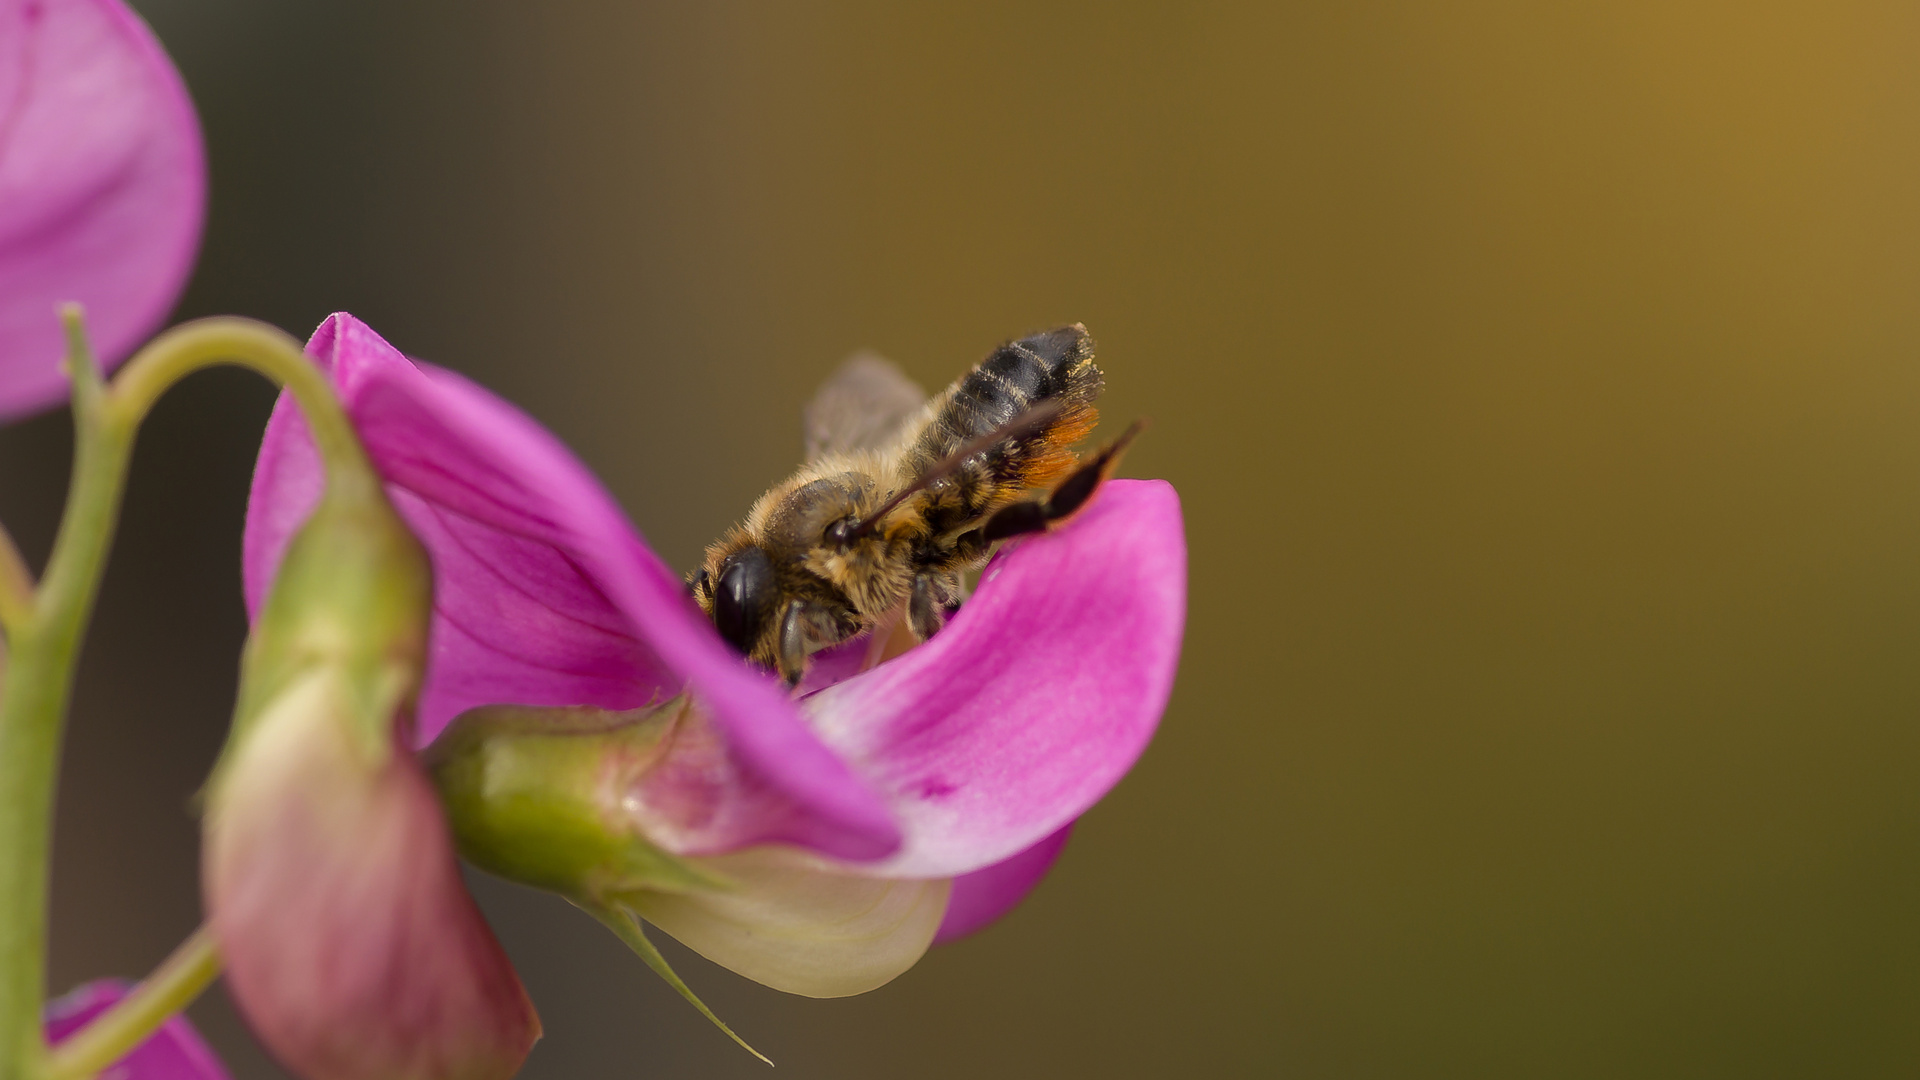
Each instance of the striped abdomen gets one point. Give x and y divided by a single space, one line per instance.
1055 365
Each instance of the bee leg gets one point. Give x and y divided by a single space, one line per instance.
1064 501
793 644
925 614
1017 520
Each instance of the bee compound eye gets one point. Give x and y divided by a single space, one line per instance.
740 598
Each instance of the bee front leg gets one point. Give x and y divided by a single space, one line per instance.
1064 501
792 656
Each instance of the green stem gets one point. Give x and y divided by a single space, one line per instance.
626 926
225 340
33 703
45 641
16 585
113 1034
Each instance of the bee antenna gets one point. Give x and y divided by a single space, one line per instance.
1036 417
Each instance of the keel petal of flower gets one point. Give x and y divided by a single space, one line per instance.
796 924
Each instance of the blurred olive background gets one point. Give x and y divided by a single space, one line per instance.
1540 381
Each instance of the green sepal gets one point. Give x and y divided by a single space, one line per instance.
628 928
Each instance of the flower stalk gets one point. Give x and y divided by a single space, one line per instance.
33 703
44 629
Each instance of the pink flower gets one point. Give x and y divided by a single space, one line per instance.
102 187
927 795
175 1052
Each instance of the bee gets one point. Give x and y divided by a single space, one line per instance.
901 497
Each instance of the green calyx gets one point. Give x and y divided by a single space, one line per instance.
540 796
354 594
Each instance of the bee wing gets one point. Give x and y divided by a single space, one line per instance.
862 407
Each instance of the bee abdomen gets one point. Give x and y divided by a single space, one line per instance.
1018 376
1056 364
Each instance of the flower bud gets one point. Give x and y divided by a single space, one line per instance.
350 942
354 593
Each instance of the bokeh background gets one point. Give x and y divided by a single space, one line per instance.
1540 380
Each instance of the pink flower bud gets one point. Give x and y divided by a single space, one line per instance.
351 944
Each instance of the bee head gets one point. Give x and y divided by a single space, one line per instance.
743 597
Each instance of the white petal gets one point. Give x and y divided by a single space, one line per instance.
796 924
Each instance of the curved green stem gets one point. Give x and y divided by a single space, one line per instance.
44 640
113 1034
226 340
33 703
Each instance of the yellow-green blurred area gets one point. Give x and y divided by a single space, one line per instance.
1542 383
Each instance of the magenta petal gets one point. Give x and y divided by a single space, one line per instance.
545 594
175 1052
1036 699
983 896
102 186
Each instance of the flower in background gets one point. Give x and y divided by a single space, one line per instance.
840 833
102 187
175 1052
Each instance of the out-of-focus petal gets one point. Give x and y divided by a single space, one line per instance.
102 187
983 896
349 940
799 925
174 1052
1035 699
545 594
